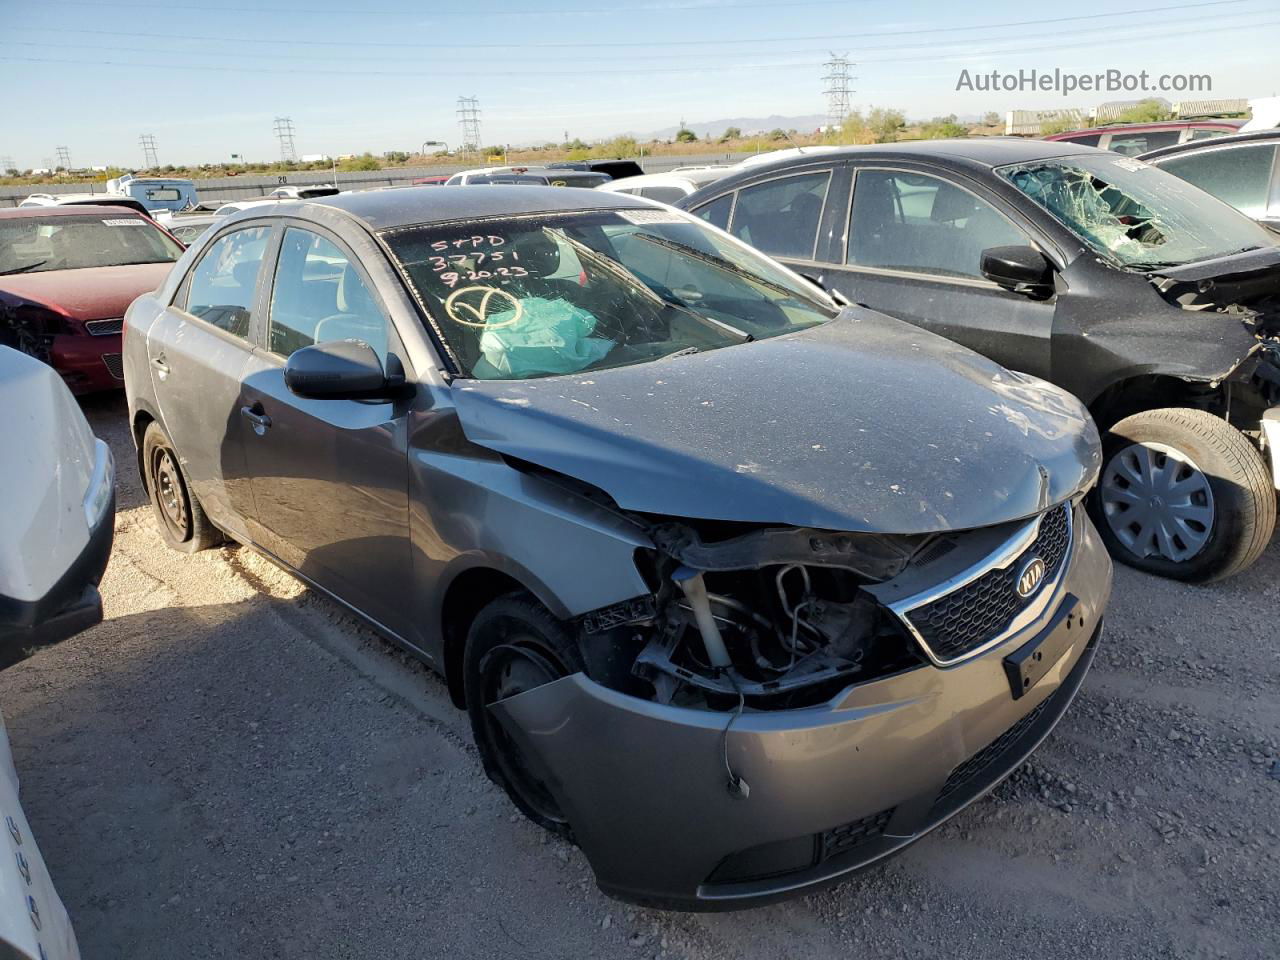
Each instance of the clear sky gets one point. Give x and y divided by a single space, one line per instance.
207 79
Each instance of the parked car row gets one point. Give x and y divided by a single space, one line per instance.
818 448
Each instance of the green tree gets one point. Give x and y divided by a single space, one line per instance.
991 119
885 124
1145 111
685 135
1059 124
941 128
731 133
366 161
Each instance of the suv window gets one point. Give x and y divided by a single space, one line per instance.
1085 140
223 283
320 296
1135 143
1239 175
916 222
781 216
717 211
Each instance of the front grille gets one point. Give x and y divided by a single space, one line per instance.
968 617
104 328
115 366
845 837
976 765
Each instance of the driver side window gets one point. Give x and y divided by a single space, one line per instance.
320 296
921 224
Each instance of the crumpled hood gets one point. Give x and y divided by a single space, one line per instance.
864 424
90 293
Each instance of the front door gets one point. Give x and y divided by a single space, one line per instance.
329 476
914 248
198 349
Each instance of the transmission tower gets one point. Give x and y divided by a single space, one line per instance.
469 120
837 79
64 157
6 164
284 133
148 143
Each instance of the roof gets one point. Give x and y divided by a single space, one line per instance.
70 210
1211 143
983 151
1151 125
401 208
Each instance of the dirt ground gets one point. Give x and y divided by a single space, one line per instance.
230 767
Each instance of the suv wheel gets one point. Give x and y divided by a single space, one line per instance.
515 645
182 521
1183 494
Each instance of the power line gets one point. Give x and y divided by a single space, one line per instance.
469 120
148 144
64 157
984 55
665 42
6 164
837 90
284 133
470 14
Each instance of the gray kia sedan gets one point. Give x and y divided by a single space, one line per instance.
742 588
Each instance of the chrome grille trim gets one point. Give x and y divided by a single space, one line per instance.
1009 553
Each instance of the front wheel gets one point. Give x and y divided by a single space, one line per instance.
515 645
1183 494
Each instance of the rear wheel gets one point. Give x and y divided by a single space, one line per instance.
515 645
182 521
1183 494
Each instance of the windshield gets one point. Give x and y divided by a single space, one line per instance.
41 244
1135 214
564 293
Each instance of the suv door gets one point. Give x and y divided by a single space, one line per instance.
913 250
197 351
1246 175
330 476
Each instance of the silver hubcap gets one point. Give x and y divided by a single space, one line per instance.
1157 502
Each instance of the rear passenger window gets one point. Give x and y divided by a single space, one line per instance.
717 211
1239 175
223 283
781 217
320 296
918 223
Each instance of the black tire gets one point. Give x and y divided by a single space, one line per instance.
181 520
515 644
1243 496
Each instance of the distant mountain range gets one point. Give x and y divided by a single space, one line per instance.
806 124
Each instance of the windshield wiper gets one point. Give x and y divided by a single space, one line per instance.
23 269
624 273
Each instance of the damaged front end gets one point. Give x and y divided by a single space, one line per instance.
789 704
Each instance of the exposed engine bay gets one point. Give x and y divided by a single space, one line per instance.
774 618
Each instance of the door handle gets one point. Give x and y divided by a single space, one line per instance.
258 417
161 368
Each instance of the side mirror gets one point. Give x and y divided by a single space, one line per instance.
1020 269
338 370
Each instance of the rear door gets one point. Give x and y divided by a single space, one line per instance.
330 476
197 351
1245 175
913 249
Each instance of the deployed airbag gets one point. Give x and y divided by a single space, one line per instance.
540 336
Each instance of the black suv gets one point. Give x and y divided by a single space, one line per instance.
1153 302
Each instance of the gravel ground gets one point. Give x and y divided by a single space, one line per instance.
228 766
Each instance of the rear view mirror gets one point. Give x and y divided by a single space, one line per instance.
338 369
1020 269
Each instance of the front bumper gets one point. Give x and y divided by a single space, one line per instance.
71 605
832 788
88 364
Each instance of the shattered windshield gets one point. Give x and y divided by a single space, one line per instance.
563 293
1135 214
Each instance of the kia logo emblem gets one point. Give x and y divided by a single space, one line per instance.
1031 577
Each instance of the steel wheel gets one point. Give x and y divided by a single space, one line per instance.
171 494
1157 502
516 665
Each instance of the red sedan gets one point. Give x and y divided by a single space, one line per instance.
67 275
